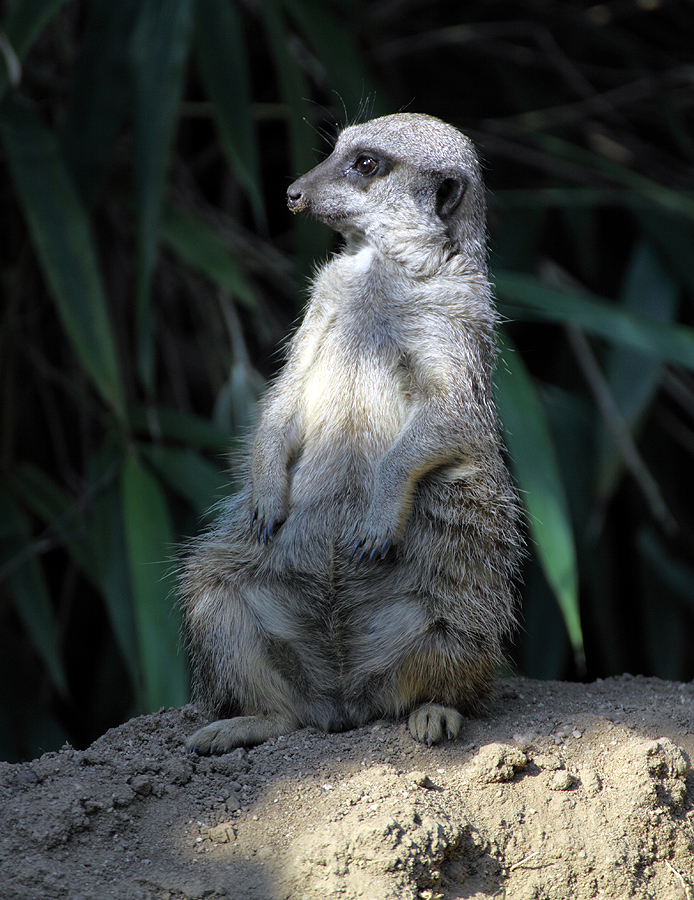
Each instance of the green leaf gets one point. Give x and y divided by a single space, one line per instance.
25 21
337 51
99 94
293 84
312 238
159 53
61 234
60 512
202 248
94 538
107 525
678 576
149 545
559 197
187 473
639 185
536 469
673 240
176 425
237 401
527 296
545 647
221 57
29 591
665 621
634 377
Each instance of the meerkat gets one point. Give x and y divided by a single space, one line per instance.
366 568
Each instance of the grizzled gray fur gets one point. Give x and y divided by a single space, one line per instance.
365 570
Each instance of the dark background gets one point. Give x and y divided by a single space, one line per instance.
150 270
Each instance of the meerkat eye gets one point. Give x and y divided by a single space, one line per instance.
365 165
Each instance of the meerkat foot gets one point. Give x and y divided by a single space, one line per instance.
241 731
431 722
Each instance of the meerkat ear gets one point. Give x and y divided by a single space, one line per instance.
451 191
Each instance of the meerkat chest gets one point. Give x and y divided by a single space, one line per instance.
355 387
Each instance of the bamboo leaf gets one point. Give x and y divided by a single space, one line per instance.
149 544
159 53
237 401
95 541
221 57
527 296
202 248
99 93
187 473
25 21
293 84
29 592
673 238
337 51
312 239
536 468
665 638
666 198
632 376
545 645
107 525
60 512
61 235
176 425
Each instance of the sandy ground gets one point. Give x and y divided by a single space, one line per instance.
562 791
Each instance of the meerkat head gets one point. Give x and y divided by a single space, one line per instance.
409 184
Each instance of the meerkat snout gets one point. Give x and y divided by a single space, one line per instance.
295 198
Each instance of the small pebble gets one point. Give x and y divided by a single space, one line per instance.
421 780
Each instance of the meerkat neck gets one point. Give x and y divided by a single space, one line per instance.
421 260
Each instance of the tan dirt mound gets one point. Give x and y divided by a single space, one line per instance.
562 791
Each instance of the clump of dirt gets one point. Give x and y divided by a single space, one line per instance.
562 790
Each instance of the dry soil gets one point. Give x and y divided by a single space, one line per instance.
561 791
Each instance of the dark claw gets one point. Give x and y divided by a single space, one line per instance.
270 530
373 554
449 734
254 516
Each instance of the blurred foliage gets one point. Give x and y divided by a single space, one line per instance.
150 270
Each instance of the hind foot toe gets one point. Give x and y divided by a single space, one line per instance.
431 722
241 731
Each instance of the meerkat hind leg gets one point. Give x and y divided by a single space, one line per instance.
431 722
241 731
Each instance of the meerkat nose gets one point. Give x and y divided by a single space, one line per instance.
295 198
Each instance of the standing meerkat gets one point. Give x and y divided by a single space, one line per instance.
365 570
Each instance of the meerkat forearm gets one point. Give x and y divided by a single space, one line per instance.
275 443
419 450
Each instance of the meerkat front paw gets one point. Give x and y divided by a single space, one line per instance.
371 547
431 722
241 731
383 525
266 519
